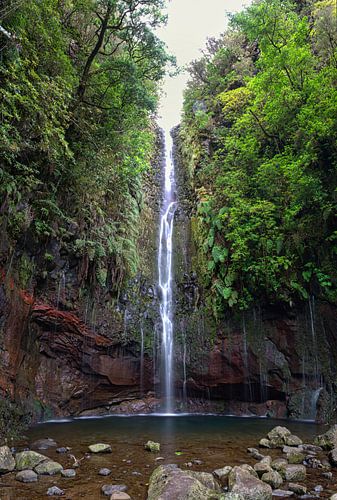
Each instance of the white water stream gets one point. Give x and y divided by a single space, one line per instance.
165 276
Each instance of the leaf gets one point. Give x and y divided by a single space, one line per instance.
178 453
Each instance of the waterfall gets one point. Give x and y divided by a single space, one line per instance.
165 275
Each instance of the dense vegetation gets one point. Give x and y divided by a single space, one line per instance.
259 138
79 87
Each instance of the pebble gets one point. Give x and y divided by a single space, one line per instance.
197 462
120 496
55 491
318 488
68 473
159 458
282 493
109 489
63 449
104 472
136 473
327 475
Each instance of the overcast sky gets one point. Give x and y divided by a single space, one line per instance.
190 23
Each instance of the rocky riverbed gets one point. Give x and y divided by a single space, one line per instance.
232 460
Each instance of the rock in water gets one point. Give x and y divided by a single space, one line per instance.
48 468
170 482
55 491
68 473
28 459
7 462
104 471
100 448
109 489
119 495
152 446
44 444
251 488
26 476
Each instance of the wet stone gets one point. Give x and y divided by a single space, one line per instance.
68 473
255 453
63 449
152 446
299 489
26 476
120 495
100 448
283 493
104 471
327 475
7 462
48 468
109 489
44 444
319 488
55 491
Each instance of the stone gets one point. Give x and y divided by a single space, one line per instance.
333 497
109 489
262 468
279 464
293 440
255 453
170 482
319 488
152 446
55 491
291 449
26 476
294 473
68 473
333 457
100 448
277 436
231 496
295 457
28 459
251 488
327 475
44 444
328 440
63 449
311 448
7 461
265 443
299 489
222 474
283 493
104 471
48 468
120 495
206 479
196 461
272 478
248 468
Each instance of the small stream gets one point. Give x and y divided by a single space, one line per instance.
215 440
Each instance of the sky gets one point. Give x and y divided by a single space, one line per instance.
190 23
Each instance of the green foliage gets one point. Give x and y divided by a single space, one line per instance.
13 419
79 85
267 180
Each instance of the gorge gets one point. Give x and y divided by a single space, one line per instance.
134 280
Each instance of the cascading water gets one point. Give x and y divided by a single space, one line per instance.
165 275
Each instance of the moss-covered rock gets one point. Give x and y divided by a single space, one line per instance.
152 446
48 468
100 448
28 459
251 488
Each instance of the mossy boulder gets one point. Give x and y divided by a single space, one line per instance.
295 457
28 459
273 478
294 473
222 474
328 440
293 440
48 468
245 484
168 482
152 446
7 461
279 464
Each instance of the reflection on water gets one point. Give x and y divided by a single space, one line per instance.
217 441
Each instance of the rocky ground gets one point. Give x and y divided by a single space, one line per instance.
281 466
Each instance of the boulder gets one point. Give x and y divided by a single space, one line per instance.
28 459
295 457
152 446
100 448
206 479
68 473
294 473
293 440
248 486
26 476
48 468
248 468
279 464
7 461
311 448
272 478
277 436
299 489
328 440
263 466
222 474
168 482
